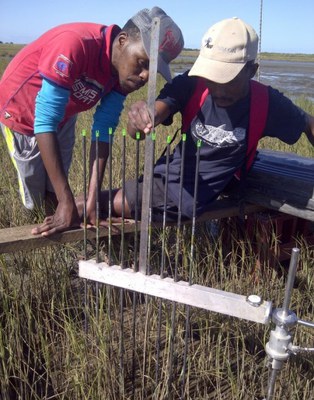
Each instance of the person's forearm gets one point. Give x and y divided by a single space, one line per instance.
310 129
49 150
103 153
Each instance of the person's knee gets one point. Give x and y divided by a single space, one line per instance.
120 204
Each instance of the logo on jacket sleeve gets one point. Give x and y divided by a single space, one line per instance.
63 66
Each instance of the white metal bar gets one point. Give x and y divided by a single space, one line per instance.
210 299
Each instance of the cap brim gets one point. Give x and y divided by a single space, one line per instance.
164 69
215 71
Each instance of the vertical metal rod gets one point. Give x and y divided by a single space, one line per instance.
134 343
146 338
164 219
97 197
134 317
110 196
149 236
121 344
97 220
278 343
136 217
271 384
136 210
146 214
97 236
84 192
158 341
108 289
179 220
163 257
85 226
122 261
148 252
149 147
198 151
187 321
178 240
290 281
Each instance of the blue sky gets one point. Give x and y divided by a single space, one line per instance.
288 25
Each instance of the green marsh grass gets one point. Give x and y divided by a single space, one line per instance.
46 352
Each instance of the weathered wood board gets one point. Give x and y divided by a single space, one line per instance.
20 237
279 181
282 182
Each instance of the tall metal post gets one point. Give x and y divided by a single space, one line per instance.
149 148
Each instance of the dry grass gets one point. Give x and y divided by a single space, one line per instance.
46 352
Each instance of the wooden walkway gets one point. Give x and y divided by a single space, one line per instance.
20 238
282 182
278 181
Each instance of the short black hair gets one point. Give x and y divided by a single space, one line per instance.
132 30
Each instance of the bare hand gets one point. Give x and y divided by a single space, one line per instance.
65 217
139 119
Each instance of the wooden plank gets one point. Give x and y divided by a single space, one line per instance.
279 181
182 292
20 238
279 204
283 182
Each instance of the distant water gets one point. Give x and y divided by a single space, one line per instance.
292 78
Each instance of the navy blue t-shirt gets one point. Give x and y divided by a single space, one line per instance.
222 132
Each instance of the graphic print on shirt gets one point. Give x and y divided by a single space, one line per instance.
218 136
87 91
214 127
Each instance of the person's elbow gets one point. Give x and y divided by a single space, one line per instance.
309 129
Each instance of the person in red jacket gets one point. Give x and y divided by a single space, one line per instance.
220 120
70 69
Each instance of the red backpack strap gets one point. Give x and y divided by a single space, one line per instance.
258 118
194 104
257 121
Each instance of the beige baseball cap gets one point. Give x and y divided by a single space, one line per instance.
225 49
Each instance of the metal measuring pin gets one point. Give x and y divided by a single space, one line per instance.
85 226
97 218
178 240
97 196
121 292
135 295
163 258
187 321
134 301
110 196
123 158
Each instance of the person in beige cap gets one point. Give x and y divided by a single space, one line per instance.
226 49
70 69
224 114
